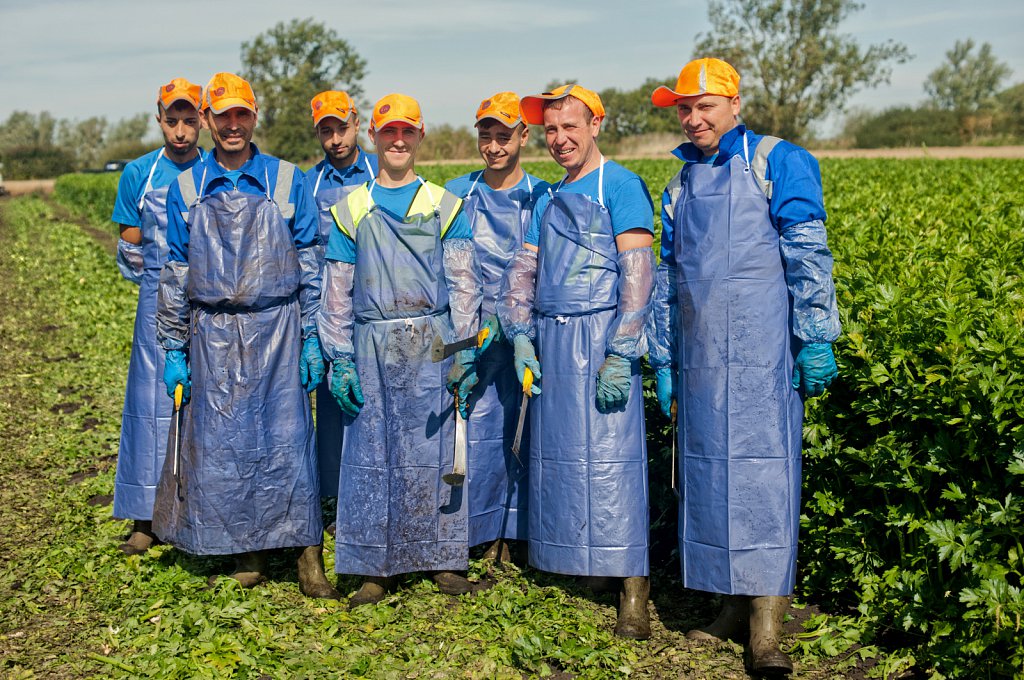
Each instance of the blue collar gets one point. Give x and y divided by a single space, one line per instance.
729 145
357 166
255 169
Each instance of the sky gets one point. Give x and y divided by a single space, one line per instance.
82 58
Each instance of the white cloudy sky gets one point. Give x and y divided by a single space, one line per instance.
79 58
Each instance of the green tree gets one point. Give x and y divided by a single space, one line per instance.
796 66
286 66
967 79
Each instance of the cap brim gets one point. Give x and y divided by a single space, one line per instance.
231 103
501 120
533 107
397 119
180 98
666 96
317 121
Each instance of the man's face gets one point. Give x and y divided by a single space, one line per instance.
571 138
231 130
338 138
396 145
180 124
500 145
705 118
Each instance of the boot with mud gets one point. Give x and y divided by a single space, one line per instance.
372 591
763 654
312 580
498 552
450 583
250 569
733 622
141 539
634 621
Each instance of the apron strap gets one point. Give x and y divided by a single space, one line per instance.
149 180
473 187
316 187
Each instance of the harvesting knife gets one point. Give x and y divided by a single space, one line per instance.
527 384
440 351
675 418
174 441
458 474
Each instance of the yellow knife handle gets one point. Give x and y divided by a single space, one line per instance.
481 336
178 390
674 410
527 380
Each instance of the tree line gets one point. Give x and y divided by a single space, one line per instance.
798 69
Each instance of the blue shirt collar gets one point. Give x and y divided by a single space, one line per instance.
359 165
255 168
729 145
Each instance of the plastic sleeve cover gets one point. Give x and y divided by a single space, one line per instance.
129 260
808 264
662 323
516 294
465 287
626 337
172 306
310 259
335 319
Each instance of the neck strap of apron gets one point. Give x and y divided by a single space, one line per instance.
746 153
600 183
316 187
369 191
149 180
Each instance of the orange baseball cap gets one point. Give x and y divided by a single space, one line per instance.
227 91
182 90
502 107
332 103
700 76
396 108
533 106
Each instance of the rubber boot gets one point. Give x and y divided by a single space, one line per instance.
634 621
498 552
764 656
450 583
312 580
733 622
141 539
250 568
372 591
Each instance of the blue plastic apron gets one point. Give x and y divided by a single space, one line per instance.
496 482
146 417
395 514
248 466
588 470
329 428
740 420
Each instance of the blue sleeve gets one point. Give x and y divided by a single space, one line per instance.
305 230
177 228
631 206
340 247
796 186
459 227
460 185
668 230
126 205
533 232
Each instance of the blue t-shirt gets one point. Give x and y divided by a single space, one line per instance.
396 201
529 184
132 184
363 170
258 177
793 171
625 197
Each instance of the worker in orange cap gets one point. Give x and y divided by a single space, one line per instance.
344 167
745 267
581 289
236 318
140 210
499 203
400 270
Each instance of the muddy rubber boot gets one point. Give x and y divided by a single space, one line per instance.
141 539
498 552
633 621
450 583
764 656
312 580
250 568
372 591
732 623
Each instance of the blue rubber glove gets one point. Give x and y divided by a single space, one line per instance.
494 334
311 364
462 378
345 386
526 357
665 388
613 379
815 369
176 371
